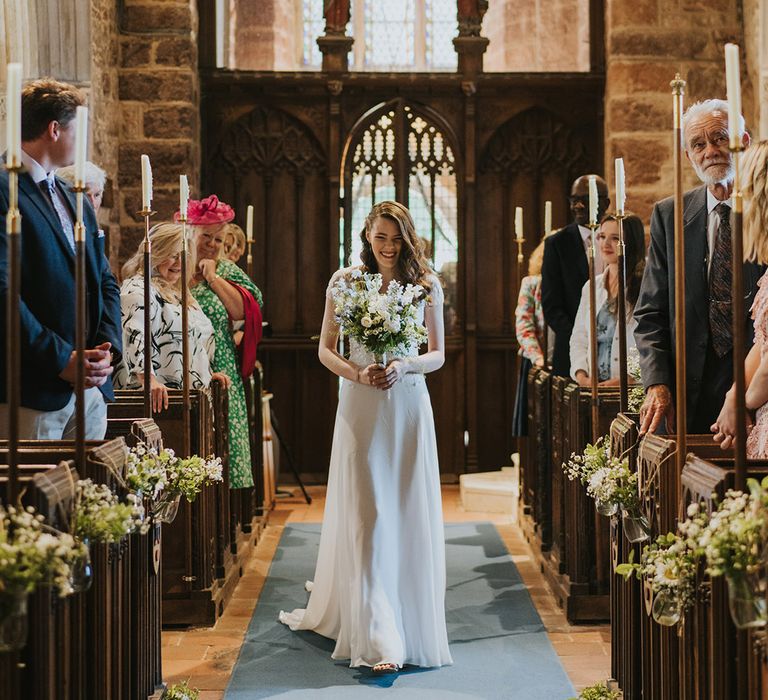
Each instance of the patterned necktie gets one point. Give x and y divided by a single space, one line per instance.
720 278
66 223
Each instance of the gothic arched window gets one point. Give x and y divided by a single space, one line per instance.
400 152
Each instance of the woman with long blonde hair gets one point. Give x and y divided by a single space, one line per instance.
167 366
379 586
755 232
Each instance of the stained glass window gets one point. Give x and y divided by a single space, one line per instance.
389 36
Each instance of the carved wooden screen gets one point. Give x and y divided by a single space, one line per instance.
527 159
273 159
406 152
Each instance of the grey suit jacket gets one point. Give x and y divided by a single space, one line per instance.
655 308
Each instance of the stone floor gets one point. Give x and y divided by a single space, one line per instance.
205 657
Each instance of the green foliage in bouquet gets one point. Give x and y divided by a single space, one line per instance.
599 691
98 514
180 691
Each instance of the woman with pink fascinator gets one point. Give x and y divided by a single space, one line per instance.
226 295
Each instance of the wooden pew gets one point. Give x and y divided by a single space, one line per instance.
104 642
709 640
200 566
536 516
626 596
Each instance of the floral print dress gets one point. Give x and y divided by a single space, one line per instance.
167 363
225 360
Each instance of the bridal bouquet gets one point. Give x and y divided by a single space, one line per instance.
383 323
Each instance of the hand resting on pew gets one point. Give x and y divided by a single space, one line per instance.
657 406
159 392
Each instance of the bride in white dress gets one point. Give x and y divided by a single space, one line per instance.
379 586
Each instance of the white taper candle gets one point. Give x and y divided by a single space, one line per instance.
592 199
733 85
183 195
518 222
13 114
146 183
547 217
81 144
249 224
621 196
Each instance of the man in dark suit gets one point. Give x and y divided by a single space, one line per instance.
708 275
47 308
565 269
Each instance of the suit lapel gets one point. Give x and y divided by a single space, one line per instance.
696 251
576 250
35 195
70 197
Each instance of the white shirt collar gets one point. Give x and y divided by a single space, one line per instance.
36 171
713 201
585 233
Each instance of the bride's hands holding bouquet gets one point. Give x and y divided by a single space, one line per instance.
393 373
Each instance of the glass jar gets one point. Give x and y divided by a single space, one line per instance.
81 569
166 507
635 526
666 609
746 601
608 508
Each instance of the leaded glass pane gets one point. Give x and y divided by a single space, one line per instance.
440 31
313 27
389 34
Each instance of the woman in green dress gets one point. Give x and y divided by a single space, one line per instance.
223 304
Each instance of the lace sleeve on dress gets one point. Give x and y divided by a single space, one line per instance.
436 295
334 279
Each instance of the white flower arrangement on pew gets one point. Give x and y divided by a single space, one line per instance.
99 516
608 479
383 323
32 553
180 691
732 540
636 393
162 474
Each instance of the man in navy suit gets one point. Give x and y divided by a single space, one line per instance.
565 269
708 300
47 308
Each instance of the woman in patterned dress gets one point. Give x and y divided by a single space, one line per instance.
529 331
167 366
223 303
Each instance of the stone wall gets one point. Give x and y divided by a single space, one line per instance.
537 35
104 112
646 42
158 91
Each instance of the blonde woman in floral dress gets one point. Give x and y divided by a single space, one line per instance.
223 303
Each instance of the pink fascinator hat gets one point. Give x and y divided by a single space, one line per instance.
208 211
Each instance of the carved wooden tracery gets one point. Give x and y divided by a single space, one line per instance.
268 140
534 141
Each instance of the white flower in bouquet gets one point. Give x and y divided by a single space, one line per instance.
381 322
146 469
188 476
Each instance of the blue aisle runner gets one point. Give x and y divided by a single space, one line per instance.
499 646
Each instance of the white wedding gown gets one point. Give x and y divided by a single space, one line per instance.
379 586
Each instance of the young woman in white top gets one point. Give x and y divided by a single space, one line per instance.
606 293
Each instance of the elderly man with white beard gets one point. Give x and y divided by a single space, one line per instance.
709 272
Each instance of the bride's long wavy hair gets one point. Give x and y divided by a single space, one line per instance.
755 189
412 264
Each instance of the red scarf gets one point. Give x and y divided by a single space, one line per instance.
251 331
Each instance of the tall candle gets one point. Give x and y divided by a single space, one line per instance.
249 224
13 114
81 144
547 218
592 200
519 222
146 183
183 196
621 196
733 85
